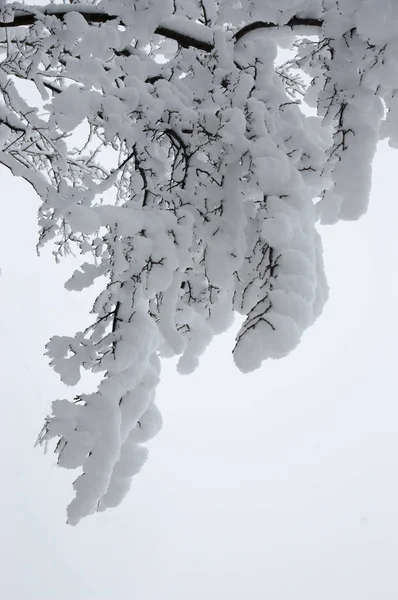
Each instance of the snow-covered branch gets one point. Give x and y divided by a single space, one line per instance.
182 30
293 23
191 181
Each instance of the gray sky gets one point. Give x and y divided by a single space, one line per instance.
282 484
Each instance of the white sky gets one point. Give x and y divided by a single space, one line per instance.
282 484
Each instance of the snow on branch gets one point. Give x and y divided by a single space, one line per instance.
294 22
191 184
182 30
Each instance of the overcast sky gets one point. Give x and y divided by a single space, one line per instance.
282 484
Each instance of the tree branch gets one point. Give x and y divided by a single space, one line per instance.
184 31
294 22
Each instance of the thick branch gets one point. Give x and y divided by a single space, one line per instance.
294 22
185 32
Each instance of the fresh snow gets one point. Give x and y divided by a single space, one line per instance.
218 184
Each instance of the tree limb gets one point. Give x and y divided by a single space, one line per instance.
184 31
294 22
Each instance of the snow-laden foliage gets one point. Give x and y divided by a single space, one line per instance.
170 146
